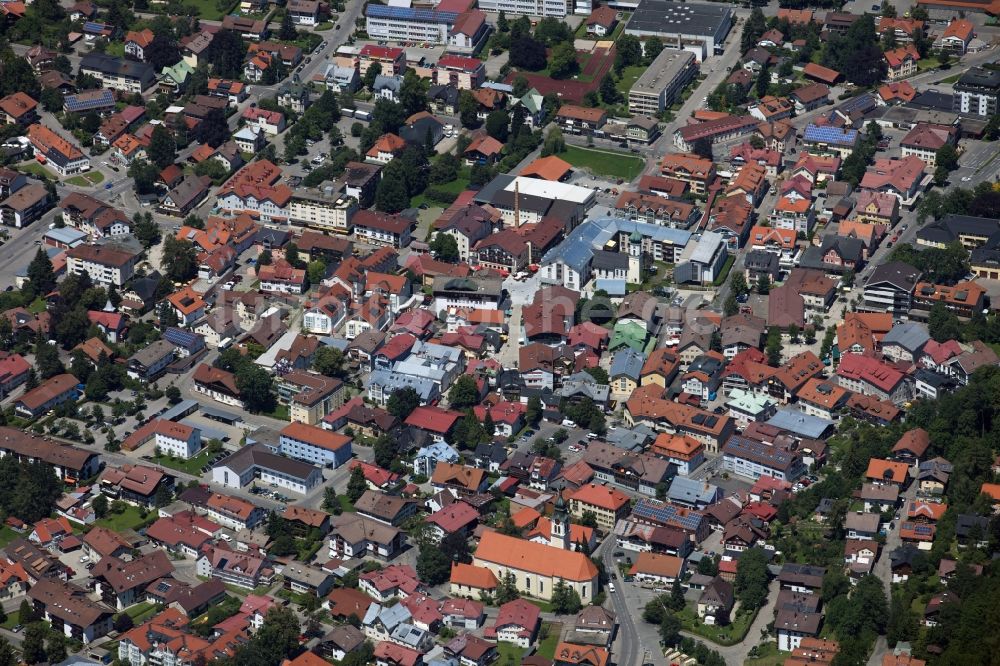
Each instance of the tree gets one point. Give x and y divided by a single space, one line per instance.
256 387
947 157
33 647
703 148
456 548
677 602
562 63
527 53
100 506
146 230
331 502
628 52
670 629
774 347
374 70
26 612
464 392
652 47
180 259
433 566
468 109
162 51
226 54
763 80
444 247
496 125
565 600
412 94
730 306
763 284
356 484
143 175
533 415
213 130
55 647
942 324
264 258
287 31
609 91
162 149
752 30
506 590
329 361
47 360
41 275
445 168
750 585
554 143
391 195
402 402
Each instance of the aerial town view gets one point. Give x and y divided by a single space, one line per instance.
500 332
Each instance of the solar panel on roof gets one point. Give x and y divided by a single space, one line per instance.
74 104
410 14
829 134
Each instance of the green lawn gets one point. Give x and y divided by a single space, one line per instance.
629 76
725 271
952 79
7 535
547 646
604 162
767 655
509 653
191 465
208 9
37 306
141 612
36 169
723 635
322 27
930 62
345 503
87 179
455 187
129 519
281 412
13 619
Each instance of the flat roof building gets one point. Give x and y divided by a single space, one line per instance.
662 82
700 28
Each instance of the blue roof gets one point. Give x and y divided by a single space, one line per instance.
182 338
627 362
578 248
438 451
690 491
74 104
830 135
410 14
613 287
501 87
93 26
800 423
65 235
664 513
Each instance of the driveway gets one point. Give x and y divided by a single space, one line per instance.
737 654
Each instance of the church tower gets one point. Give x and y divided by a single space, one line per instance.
559 531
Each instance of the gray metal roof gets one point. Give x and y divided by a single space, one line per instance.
627 362
707 247
909 335
800 423
578 248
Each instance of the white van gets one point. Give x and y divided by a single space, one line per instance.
569 424
611 588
